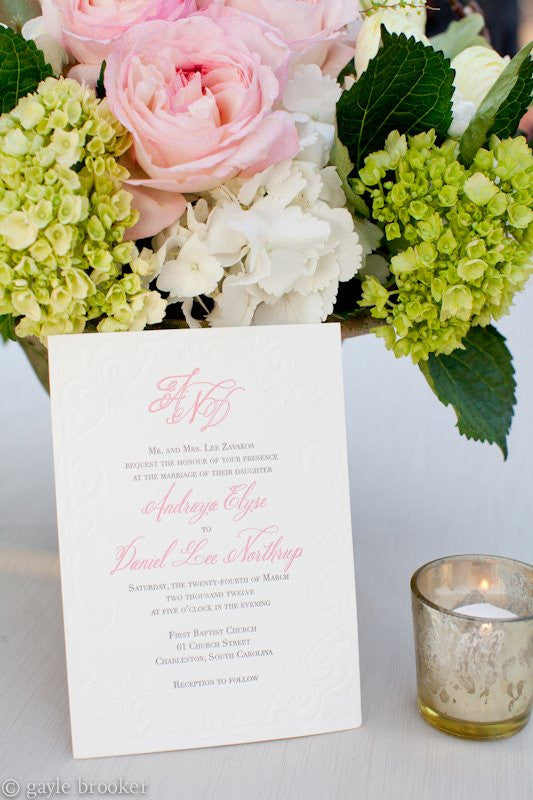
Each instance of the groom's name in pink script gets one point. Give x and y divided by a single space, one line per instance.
256 545
189 399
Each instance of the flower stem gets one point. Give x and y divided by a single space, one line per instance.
37 355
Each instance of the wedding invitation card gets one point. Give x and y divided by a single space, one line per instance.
205 537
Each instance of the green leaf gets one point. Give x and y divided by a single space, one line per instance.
349 69
407 86
340 158
502 107
459 35
22 68
7 327
479 383
516 105
100 87
480 41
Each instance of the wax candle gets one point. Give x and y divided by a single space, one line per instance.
485 610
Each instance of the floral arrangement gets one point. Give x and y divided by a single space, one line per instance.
250 162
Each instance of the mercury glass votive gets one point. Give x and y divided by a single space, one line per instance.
473 624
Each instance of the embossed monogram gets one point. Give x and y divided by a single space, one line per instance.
189 399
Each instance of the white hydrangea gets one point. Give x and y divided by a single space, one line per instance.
268 250
370 237
181 261
311 98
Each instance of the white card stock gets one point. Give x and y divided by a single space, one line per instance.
205 537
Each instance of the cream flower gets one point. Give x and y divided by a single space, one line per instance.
476 70
410 21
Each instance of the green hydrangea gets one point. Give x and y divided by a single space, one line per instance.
63 216
462 238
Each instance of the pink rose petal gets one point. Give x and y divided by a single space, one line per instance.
157 210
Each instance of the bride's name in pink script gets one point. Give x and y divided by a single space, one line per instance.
188 399
241 500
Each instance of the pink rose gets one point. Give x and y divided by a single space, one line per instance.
88 29
198 97
315 29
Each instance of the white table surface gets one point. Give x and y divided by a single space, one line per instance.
418 492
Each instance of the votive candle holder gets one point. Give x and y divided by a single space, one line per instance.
473 625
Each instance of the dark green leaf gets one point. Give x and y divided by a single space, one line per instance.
100 88
516 105
7 327
459 35
479 383
349 69
502 107
22 68
407 86
340 159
